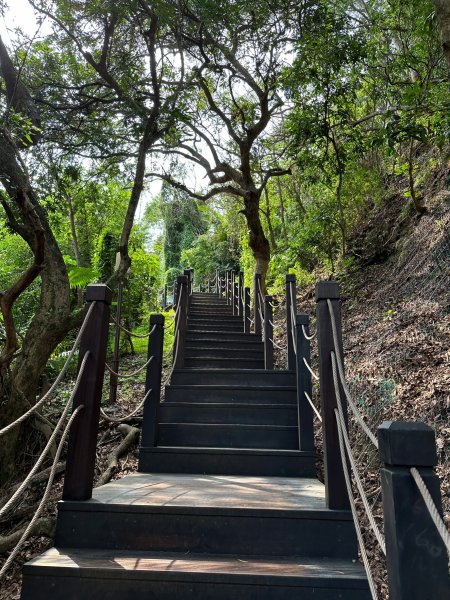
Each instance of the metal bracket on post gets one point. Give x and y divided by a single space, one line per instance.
268 333
335 488
416 555
153 381
81 453
247 310
304 384
291 308
256 303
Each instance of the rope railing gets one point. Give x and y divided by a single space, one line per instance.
129 375
130 415
293 320
176 345
55 384
5 508
46 495
432 508
308 366
313 406
306 336
340 368
365 559
130 333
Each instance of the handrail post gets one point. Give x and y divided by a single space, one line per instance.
236 297
227 286
416 556
217 283
153 381
256 303
247 310
268 333
304 384
165 297
179 347
80 463
233 292
291 307
335 489
113 381
240 293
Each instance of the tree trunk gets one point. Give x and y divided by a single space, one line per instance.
442 8
258 242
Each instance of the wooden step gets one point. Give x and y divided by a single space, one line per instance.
220 341
217 352
242 377
228 413
236 435
231 393
208 513
231 337
227 461
217 362
208 327
71 574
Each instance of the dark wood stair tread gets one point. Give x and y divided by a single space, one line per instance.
217 568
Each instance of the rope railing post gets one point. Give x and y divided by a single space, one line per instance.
247 310
291 309
416 556
240 294
164 302
304 384
227 286
115 362
236 296
335 487
179 346
257 304
80 463
268 333
232 292
153 381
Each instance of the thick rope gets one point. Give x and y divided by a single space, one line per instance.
129 375
348 485
46 495
306 336
57 380
313 406
340 366
166 381
277 345
50 441
352 405
130 333
351 458
106 417
432 508
308 366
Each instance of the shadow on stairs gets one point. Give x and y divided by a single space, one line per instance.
224 506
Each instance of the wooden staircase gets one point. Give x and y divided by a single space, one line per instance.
224 507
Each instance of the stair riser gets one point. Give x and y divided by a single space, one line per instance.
215 320
185 529
224 353
161 460
245 379
224 363
218 342
249 415
229 338
84 584
243 395
218 436
214 327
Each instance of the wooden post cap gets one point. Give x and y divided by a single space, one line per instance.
302 319
327 290
157 319
290 277
98 292
410 444
183 279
